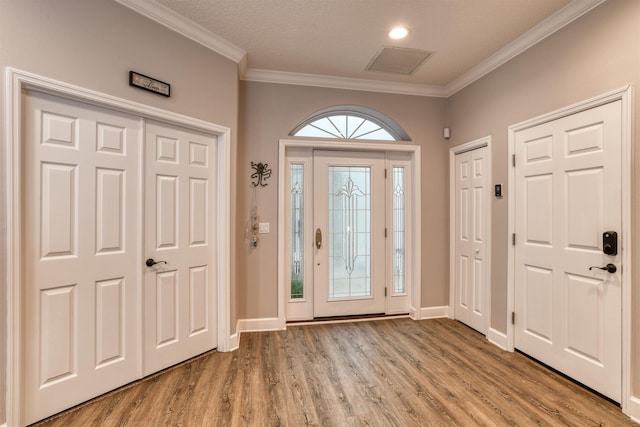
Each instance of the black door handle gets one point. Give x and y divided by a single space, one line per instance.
610 268
151 262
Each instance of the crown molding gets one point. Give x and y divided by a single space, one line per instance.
174 21
181 25
301 79
544 29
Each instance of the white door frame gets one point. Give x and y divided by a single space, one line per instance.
414 288
15 82
630 405
472 145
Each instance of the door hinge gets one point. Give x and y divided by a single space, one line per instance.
513 239
385 173
385 291
513 317
385 232
513 160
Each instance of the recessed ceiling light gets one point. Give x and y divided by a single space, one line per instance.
398 33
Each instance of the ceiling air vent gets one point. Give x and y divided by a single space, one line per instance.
398 60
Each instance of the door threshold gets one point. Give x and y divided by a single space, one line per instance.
347 319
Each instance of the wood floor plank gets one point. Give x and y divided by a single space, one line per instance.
394 372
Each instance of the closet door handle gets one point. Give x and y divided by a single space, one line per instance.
318 238
151 262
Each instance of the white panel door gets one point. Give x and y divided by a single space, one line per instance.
349 234
568 193
180 291
470 286
81 263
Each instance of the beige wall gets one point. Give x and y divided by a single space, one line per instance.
94 44
596 54
269 112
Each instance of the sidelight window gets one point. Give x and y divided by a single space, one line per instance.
398 214
297 230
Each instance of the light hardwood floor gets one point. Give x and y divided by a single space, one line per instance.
383 373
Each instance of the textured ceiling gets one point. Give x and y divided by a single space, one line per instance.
339 38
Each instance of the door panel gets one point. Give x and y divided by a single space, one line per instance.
568 193
349 210
80 252
109 317
179 293
470 251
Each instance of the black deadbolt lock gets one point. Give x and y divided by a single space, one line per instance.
610 243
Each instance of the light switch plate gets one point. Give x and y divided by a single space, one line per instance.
263 228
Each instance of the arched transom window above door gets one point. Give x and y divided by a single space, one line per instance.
351 122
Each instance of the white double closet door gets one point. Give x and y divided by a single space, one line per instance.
103 192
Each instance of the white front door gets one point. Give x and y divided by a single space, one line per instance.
179 291
349 234
81 263
568 193
470 271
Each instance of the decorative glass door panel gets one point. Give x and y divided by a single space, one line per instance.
398 229
349 231
297 230
349 222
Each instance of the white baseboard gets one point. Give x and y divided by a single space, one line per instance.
633 409
258 325
497 338
251 325
434 312
413 313
234 341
